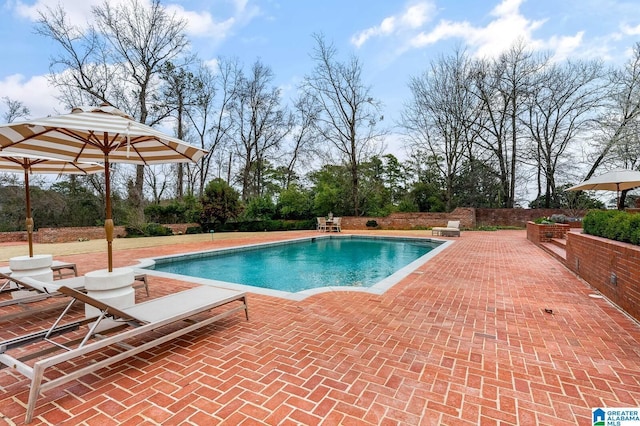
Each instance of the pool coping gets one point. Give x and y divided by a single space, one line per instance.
378 288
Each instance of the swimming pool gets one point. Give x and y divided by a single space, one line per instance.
304 266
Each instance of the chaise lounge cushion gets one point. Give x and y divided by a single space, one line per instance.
452 229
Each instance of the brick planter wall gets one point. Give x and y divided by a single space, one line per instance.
610 266
544 232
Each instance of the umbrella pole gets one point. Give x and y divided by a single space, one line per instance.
108 223
29 219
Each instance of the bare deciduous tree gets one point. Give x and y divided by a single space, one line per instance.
348 115
210 116
116 60
260 125
558 110
502 85
440 115
619 123
15 109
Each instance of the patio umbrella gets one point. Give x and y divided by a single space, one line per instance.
28 164
615 180
103 134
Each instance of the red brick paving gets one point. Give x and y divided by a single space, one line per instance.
463 340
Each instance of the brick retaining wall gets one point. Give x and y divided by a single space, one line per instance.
610 266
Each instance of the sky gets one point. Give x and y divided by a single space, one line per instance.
394 40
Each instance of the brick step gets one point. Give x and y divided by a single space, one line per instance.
557 251
560 242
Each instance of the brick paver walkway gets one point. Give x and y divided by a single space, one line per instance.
465 339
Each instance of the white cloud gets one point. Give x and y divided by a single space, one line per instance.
499 34
630 31
199 23
413 17
203 24
35 93
490 40
564 47
78 11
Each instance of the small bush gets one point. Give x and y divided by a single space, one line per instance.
541 220
193 230
268 225
559 218
371 224
156 230
148 230
486 228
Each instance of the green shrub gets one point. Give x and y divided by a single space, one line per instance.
156 230
148 230
541 220
268 225
372 224
613 224
193 230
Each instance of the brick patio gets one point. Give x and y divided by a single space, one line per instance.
465 339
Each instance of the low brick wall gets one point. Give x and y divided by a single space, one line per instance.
65 235
520 217
10 237
610 266
466 216
544 232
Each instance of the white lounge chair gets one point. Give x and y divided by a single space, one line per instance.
451 230
118 340
322 224
63 269
27 289
60 269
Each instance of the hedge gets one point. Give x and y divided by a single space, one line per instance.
613 224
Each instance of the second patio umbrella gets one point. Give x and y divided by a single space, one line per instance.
28 164
615 180
103 134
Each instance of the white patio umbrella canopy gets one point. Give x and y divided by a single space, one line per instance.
29 164
103 134
615 180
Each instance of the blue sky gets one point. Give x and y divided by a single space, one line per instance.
393 39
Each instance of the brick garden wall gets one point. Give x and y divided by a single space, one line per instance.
519 217
610 266
466 216
65 235
9 237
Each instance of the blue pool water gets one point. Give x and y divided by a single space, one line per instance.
303 265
